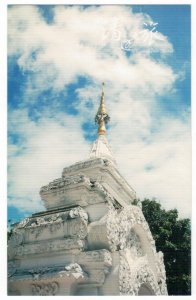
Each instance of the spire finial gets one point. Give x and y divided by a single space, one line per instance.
103 88
102 117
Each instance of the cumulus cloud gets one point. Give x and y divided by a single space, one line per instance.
46 147
152 150
161 167
47 50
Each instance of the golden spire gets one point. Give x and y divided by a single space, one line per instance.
102 104
102 117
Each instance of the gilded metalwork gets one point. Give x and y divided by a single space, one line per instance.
102 117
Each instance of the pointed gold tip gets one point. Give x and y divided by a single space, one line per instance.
102 103
103 84
102 117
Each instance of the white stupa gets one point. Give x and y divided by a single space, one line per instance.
91 240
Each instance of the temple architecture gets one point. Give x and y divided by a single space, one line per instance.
91 239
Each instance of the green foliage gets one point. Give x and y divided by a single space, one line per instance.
173 238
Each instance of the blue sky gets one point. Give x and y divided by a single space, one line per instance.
56 63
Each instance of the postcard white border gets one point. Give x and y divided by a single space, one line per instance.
3 130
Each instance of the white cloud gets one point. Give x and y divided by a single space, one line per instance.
65 48
82 43
48 146
160 168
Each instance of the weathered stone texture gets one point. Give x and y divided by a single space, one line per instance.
90 241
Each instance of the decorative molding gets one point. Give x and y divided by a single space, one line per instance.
83 165
96 186
76 220
65 181
41 224
96 256
45 289
37 274
75 270
49 246
105 164
78 212
76 228
36 230
72 223
21 224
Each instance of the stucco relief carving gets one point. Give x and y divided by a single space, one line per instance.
145 275
77 212
37 229
71 230
124 276
77 228
112 226
75 270
65 181
45 289
37 225
98 187
131 278
38 274
47 247
21 224
96 256
134 245
161 273
120 224
77 219
51 218
134 216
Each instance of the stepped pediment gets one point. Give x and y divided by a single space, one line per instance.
86 183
